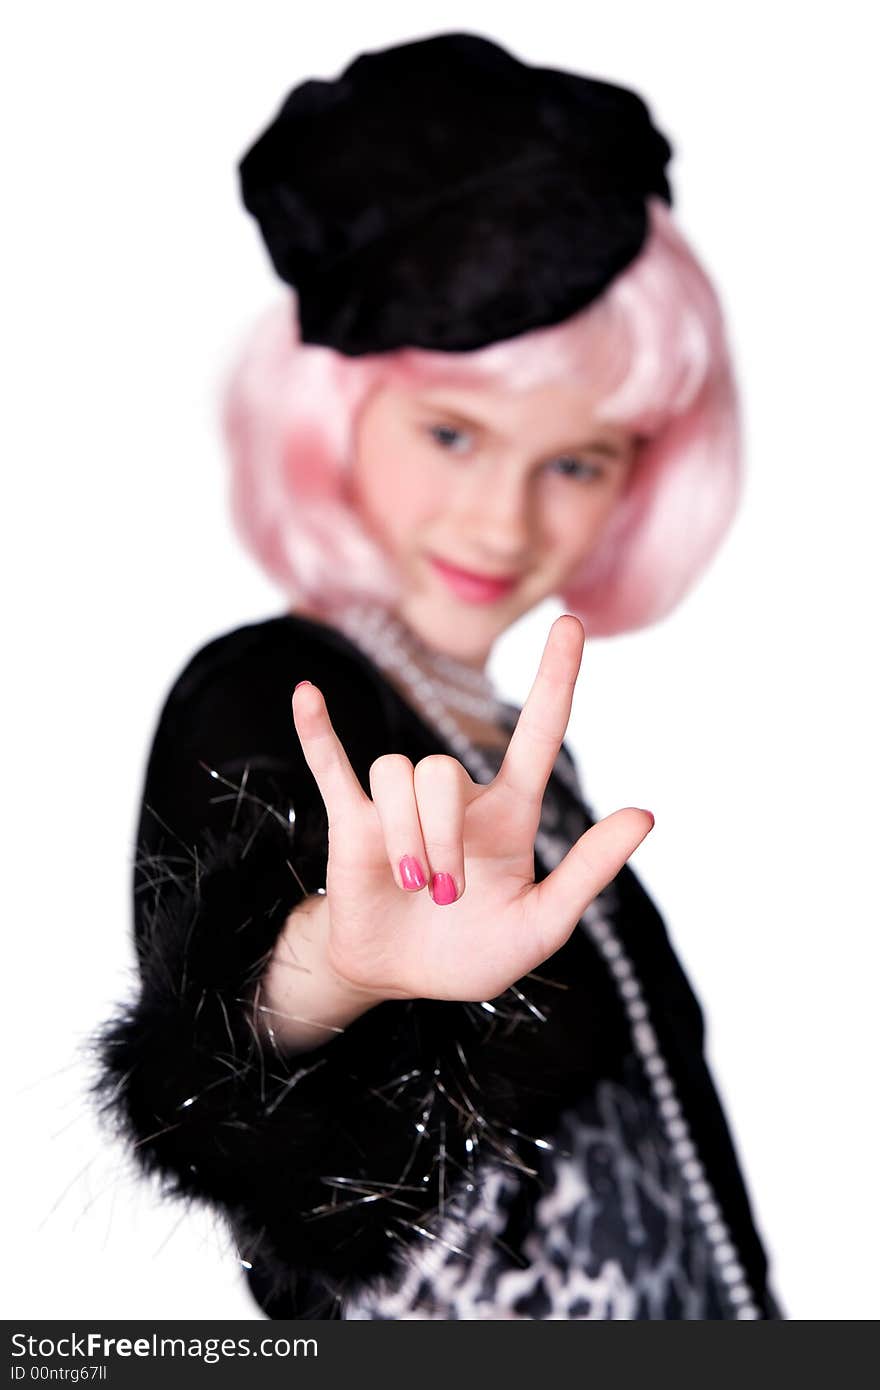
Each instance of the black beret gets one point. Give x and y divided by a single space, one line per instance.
442 194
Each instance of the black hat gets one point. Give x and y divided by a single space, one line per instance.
442 194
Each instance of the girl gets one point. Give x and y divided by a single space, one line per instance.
406 1017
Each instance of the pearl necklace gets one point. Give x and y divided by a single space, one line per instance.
437 682
381 636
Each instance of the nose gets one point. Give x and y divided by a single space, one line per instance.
495 511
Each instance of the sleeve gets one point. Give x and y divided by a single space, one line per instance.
324 1163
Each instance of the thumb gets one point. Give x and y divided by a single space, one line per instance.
590 865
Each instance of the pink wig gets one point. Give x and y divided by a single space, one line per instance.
653 346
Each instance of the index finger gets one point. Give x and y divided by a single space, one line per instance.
535 743
325 755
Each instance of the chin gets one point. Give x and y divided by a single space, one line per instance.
464 631
469 646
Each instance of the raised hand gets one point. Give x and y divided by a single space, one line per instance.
392 938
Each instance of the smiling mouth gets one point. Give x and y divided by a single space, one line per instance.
474 588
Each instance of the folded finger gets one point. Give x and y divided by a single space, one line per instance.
441 787
393 792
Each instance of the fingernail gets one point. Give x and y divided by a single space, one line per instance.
411 873
651 814
443 889
299 683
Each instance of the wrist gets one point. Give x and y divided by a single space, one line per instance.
314 927
304 1000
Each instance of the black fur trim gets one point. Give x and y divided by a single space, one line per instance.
324 1162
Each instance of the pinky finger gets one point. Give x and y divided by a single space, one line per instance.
590 865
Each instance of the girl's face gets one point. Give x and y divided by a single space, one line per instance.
487 500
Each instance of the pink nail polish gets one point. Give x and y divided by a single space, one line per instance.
443 889
411 873
299 683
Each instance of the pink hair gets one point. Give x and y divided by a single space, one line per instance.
653 344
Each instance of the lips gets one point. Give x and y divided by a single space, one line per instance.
474 588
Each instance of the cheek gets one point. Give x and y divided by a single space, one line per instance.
575 526
393 493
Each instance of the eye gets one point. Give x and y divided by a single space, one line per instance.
449 438
579 469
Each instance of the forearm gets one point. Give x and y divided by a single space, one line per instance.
300 998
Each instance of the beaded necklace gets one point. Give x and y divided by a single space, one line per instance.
439 684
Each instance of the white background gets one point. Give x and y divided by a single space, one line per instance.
742 721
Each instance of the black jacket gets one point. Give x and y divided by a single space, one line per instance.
334 1167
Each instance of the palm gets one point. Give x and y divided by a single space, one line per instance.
403 942
502 925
